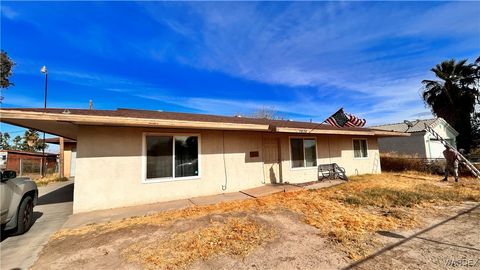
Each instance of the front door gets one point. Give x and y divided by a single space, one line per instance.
271 160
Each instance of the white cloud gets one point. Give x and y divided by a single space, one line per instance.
246 107
456 19
13 100
8 12
381 58
90 79
368 57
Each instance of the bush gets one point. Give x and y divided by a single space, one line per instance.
401 163
50 178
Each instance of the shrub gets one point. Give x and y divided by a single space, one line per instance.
49 178
400 163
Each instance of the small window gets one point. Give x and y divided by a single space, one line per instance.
303 152
171 156
360 149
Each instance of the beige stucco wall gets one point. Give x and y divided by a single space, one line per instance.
109 165
332 149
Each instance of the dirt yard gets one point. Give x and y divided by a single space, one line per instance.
310 229
452 243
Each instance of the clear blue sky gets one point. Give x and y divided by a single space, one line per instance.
304 59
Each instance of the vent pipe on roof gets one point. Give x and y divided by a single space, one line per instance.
91 104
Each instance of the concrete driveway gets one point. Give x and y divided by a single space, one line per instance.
54 206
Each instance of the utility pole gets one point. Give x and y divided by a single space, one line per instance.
44 71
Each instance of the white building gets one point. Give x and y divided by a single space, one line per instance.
420 142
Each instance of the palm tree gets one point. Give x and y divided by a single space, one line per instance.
32 142
454 96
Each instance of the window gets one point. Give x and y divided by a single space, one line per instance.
360 148
303 152
171 156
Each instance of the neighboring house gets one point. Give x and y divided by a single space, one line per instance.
25 163
129 157
69 154
420 142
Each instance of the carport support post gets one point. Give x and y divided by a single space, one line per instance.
43 156
61 160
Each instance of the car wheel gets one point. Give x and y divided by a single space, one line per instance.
25 216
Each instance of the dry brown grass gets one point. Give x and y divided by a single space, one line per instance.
347 214
47 179
234 237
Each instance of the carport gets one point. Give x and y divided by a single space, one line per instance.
55 201
55 204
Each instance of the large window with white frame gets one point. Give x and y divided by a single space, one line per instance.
360 148
303 152
171 156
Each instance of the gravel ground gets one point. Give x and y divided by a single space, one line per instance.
449 243
297 246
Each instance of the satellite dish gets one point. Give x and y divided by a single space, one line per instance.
408 123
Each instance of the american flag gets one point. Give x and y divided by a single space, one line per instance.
341 119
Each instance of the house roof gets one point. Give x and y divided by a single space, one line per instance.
64 122
27 153
417 125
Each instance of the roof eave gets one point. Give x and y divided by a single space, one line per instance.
11 115
325 131
384 133
29 118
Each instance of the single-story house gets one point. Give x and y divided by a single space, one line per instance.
69 152
129 157
420 143
26 163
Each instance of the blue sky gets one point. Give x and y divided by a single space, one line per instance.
304 59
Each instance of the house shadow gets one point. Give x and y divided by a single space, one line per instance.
273 177
63 194
418 235
398 236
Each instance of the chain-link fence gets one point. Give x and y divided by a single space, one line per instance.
30 167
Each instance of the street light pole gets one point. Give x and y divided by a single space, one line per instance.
44 71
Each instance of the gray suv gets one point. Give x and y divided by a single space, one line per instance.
18 197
